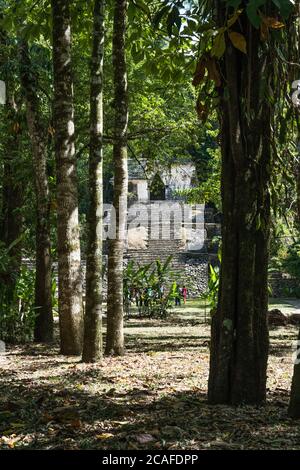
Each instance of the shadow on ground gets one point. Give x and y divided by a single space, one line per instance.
122 420
154 397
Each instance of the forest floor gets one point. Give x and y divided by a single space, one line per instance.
152 398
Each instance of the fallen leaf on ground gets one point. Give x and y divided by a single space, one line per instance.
144 438
104 435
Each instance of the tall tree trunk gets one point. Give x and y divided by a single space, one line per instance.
294 53
115 334
92 344
68 243
294 405
239 344
11 219
43 331
298 185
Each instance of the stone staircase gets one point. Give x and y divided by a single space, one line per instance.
166 235
160 249
188 266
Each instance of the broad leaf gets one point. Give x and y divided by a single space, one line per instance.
252 12
285 6
239 41
159 16
219 45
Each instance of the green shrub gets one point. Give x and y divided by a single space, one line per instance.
291 263
150 288
212 291
17 312
287 261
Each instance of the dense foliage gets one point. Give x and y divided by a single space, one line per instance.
150 288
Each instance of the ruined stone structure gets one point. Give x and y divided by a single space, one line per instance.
158 228
156 231
160 224
191 249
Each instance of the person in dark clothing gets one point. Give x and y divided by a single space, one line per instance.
178 297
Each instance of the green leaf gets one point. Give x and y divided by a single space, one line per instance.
234 3
7 23
143 6
159 16
252 12
213 274
173 19
131 11
285 6
258 222
219 46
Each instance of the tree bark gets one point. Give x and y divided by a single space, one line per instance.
115 334
92 344
239 336
68 243
11 219
294 404
298 189
43 331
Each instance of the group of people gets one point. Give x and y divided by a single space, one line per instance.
143 297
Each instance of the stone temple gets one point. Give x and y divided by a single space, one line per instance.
160 223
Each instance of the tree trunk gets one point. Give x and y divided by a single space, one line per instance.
11 219
294 405
115 334
92 344
239 343
298 192
68 243
43 331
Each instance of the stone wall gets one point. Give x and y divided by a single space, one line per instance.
282 285
196 275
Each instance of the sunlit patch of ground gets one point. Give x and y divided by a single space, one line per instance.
287 306
154 397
